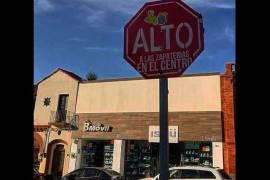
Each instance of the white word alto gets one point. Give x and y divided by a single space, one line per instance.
153 48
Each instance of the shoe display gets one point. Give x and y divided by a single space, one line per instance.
134 172
146 158
147 165
132 166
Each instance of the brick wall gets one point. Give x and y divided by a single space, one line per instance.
227 106
193 126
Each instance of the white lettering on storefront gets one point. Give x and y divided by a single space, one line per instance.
89 127
172 134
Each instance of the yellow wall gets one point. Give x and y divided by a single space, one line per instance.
53 86
191 93
58 83
65 136
43 162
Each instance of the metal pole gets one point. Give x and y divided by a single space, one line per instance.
47 140
163 125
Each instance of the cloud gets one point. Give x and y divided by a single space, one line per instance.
130 7
103 13
219 4
96 18
43 6
122 6
226 34
76 39
229 33
117 30
97 48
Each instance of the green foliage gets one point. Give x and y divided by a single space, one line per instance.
91 76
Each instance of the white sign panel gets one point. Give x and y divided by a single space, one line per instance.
154 134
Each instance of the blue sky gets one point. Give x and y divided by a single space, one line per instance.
84 35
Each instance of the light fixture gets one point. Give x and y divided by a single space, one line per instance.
59 132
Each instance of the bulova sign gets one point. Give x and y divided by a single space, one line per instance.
154 134
89 127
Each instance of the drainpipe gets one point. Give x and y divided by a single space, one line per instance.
47 141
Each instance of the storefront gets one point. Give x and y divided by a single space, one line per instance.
122 112
137 155
142 157
97 153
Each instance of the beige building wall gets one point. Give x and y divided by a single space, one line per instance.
54 85
58 83
43 161
188 93
65 136
119 156
217 154
73 150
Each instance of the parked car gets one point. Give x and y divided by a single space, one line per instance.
92 173
195 172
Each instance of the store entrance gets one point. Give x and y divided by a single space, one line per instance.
97 153
58 160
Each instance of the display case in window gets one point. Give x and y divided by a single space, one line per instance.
144 160
140 162
131 161
89 151
96 153
198 153
88 154
206 155
108 156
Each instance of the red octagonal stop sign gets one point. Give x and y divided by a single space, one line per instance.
163 39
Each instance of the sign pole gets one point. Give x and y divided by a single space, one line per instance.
163 125
147 42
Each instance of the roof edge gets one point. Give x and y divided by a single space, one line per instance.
141 78
70 74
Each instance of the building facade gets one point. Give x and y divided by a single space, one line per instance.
55 100
118 123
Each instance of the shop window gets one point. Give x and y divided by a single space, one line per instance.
108 156
97 153
141 159
198 153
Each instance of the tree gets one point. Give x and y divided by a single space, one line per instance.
90 76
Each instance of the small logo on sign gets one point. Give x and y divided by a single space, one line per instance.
160 19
